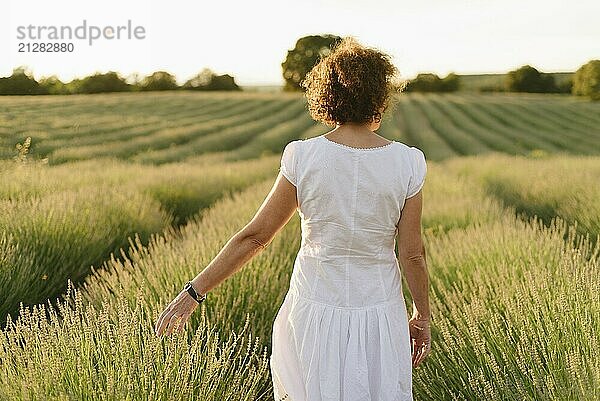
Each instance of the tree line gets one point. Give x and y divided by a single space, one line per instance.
22 82
310 49
299 61
585 82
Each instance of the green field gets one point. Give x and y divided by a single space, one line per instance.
161 128
122 198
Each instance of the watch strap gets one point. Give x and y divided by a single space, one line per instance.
190 290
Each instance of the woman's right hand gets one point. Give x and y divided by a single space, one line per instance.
420 339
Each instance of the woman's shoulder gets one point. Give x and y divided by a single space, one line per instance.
301 143
411 153
408 148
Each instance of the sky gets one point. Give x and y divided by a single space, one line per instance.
250 39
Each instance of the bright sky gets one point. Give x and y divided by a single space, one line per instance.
250 39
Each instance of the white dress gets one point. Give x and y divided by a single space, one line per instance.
341 333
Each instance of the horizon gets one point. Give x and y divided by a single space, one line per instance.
180 82
249 41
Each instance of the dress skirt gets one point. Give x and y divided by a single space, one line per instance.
322 352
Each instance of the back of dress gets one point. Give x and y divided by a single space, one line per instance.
342 332
350 200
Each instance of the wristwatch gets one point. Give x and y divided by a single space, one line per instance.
190 290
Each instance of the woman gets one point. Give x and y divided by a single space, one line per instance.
342 331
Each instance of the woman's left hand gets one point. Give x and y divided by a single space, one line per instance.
176 314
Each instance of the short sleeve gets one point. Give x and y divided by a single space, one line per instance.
419 172
288 162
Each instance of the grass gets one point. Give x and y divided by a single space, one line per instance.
81 352
141 192
56 223
167 127
515 311
50 239
537 186
507 296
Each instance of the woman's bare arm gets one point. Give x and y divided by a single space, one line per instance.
274 213
411 255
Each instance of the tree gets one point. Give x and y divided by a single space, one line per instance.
429 82
99 83
529 79
208 80
200 80
159 81
303 57
21 82
223 82
586 81
424 82
565 86
450 83
53 86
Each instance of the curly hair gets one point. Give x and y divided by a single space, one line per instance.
351 84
